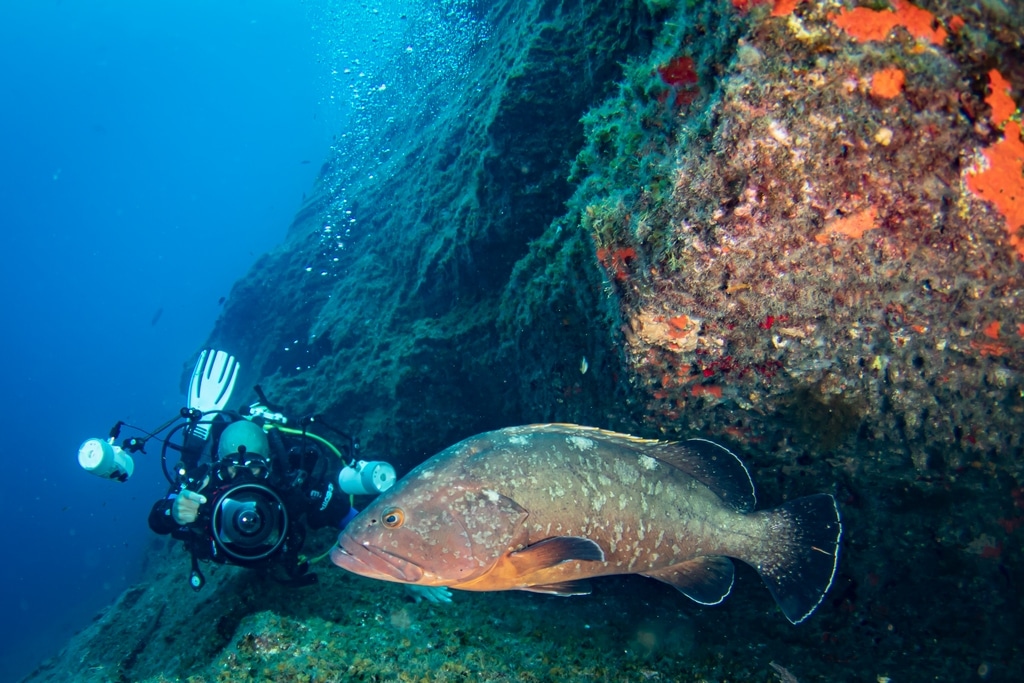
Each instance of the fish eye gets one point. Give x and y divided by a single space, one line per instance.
393 518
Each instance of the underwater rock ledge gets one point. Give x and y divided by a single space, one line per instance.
402 319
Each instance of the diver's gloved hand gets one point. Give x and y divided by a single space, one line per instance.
185 507
434 594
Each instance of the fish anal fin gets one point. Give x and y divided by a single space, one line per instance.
563 588
554 551
705 580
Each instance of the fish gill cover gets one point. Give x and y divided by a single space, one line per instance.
790 226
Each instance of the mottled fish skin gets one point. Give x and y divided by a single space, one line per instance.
541 507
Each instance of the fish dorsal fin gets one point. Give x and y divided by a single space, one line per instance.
713 465
705 580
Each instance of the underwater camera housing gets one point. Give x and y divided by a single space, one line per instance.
248 522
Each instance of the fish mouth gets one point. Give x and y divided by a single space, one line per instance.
372 562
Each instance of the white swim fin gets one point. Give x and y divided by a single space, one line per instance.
210 387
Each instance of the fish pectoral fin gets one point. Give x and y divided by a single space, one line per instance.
706 580
563 588
554 551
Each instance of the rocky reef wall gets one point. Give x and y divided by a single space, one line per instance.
394 334
809 226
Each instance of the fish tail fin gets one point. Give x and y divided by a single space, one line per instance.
798 562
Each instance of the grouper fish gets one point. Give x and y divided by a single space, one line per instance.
543 507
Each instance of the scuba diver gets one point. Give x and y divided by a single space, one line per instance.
247 486
247 505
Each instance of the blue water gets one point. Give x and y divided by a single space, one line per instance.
150 152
